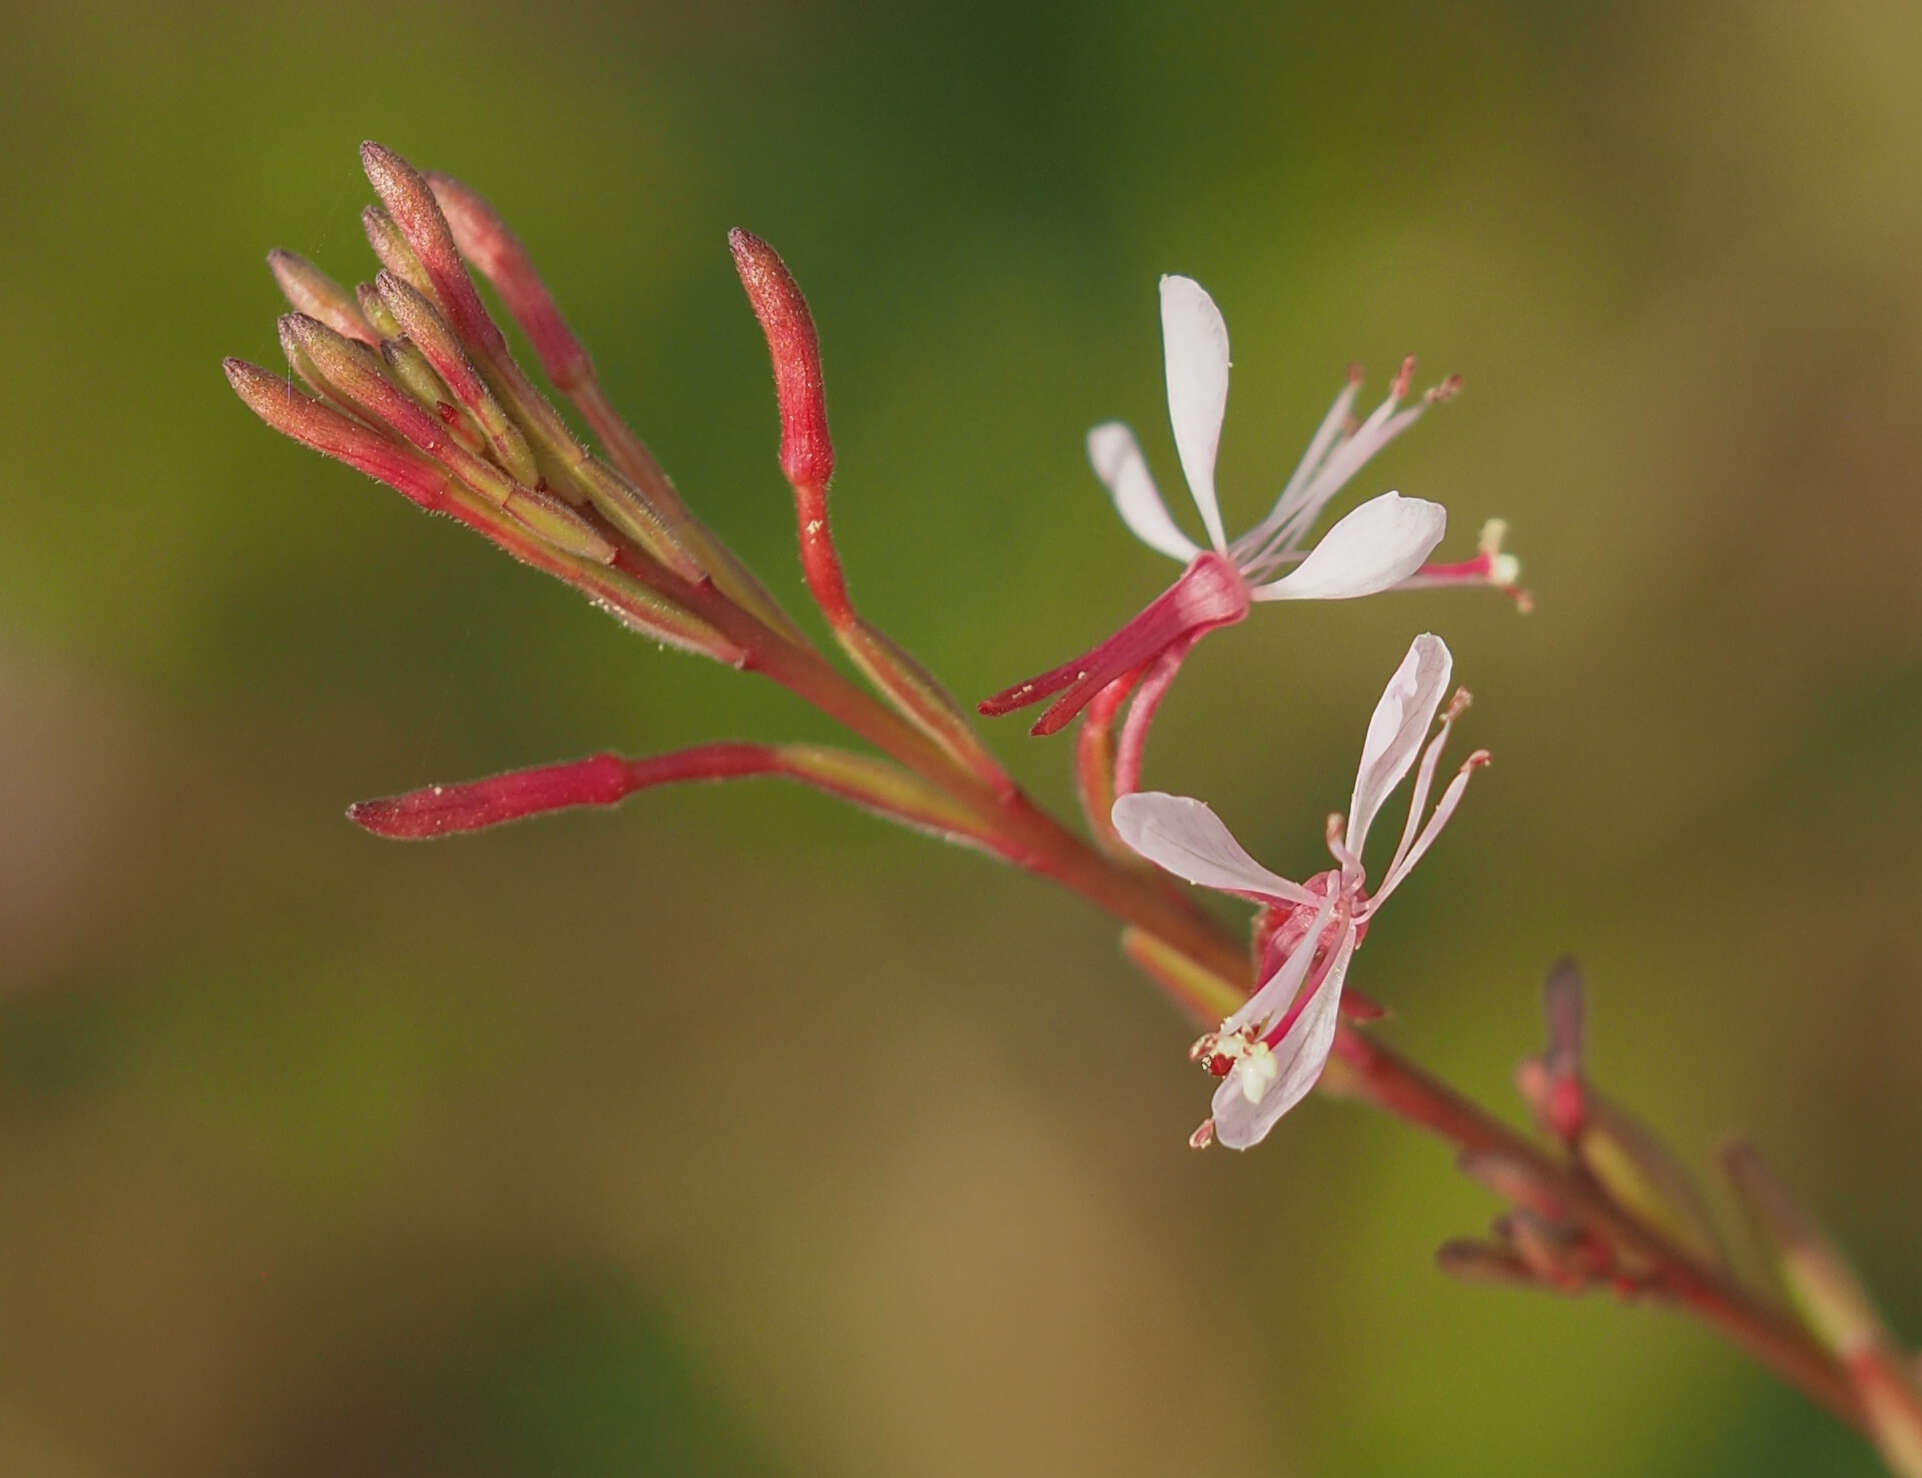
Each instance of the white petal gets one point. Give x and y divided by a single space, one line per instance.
1401 720
1377 545
1194 343
1118 463
1185 837
1302 1055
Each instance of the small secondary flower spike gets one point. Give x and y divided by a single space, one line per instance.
1378 546
1269 1053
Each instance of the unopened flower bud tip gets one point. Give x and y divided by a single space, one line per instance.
807 451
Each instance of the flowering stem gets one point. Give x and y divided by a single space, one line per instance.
1030 837
505 463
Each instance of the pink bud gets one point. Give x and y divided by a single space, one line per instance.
414 210
485 240
807 451
392 249
314 424
311 291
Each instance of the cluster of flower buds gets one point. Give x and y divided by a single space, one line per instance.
1541 1238
410 380
1632 1219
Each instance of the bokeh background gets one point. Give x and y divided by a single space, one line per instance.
732 1133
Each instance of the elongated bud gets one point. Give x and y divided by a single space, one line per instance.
559 525
608 779
1561 1256
1832 1301
1563 1006
376 312
496 252
311 291
408 368
356 371
1517 1180
421 322
390 245
321 427
359 376
353 361
1200 992
1642 1175
484 239
1835 1306
412 207
428 260
807 451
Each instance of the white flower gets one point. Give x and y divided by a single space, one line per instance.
1270 1052
1375 547
1381 545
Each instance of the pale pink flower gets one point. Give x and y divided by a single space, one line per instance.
1270 1052
1380 545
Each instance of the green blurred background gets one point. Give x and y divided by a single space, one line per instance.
733 1133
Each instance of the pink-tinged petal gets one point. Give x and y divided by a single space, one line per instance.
1301 1056
1395 732
1118 463
1272 1001
1379 544
1182 835
1194 343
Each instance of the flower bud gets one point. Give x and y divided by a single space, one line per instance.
357 374
408 368
1831 1300
807 451
1835 1307
485 240
1643 1176
332 434
421 322
873 784
376 312
311 291
1517 1179
391 247
412 207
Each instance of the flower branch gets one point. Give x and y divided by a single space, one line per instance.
413 384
